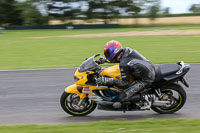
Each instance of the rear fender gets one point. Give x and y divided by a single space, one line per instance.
177 75
73 89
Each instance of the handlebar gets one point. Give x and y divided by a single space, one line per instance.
102 60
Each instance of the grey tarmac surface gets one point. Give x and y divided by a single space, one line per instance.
32 97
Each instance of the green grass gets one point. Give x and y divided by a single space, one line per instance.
145 126
19 52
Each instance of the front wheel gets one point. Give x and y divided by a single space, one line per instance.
72 104
176 96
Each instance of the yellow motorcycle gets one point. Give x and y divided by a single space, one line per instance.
81 98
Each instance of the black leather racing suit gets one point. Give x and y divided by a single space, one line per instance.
132 63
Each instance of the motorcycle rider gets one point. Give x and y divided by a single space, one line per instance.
132 64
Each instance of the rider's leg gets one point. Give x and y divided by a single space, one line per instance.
135 87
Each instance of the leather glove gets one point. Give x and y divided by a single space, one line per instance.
101 60
105 81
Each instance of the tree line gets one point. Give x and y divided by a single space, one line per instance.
32 12
20 13
102 9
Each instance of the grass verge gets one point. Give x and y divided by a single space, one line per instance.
145 126
18 52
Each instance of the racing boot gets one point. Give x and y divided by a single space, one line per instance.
129 93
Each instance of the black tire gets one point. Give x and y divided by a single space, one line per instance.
180 101
66 104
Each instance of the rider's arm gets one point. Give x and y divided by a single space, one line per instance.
112 82
121 84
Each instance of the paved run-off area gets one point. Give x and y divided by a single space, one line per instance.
32 97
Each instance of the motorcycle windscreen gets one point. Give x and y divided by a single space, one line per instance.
89 65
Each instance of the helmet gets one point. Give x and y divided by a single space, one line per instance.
112 49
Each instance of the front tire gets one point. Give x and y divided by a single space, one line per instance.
69 103
177 97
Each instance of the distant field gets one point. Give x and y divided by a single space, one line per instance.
20 52
143 21
145 126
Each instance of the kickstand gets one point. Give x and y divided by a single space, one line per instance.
125 106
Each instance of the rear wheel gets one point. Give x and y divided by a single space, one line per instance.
72 104
176 96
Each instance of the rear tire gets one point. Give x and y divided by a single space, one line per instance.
69 103
178 102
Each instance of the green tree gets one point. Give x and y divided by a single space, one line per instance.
64 9
195 8
19 13
9 14
100 9
105 9
153 9
166 10
30 15
2 14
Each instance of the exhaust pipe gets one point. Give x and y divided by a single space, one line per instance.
160 103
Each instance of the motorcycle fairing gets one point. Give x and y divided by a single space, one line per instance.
81 77
82 91
108 95
113 72
73 89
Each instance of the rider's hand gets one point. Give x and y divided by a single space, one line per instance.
102 60
105 81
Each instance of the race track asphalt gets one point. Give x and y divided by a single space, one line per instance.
32 97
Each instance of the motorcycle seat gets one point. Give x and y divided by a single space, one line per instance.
163 70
